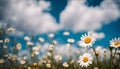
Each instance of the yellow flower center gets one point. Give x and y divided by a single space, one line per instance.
85 59
87 40
116 43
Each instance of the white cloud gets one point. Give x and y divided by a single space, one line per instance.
79 17
29 16
99 35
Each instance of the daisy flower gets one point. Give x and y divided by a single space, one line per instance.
70 40
41 39
87 40
115 42
1 41
30 43
10 29
48 65
65 64
58 57
22 61
85 60
51 35
26 38
7 40
18 46
66 33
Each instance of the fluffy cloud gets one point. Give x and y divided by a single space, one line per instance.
79 17
31 16
99 35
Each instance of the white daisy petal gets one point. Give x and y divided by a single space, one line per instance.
85 60
87 40
115 42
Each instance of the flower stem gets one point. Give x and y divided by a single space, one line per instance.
96 58
114 56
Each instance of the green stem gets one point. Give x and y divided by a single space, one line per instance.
110 58
114 56
96 58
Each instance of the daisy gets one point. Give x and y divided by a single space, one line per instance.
26 38
65 64
18 46
35 49
22 61
58 58
54 42
70 40
1 41
51 48
66 33
85 60
2 60
10 29
41 39
6 40
87 40
30 43
115 42
35 64
48 65
51 35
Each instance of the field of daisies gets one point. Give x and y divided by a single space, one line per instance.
39 56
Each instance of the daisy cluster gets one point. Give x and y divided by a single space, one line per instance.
52 55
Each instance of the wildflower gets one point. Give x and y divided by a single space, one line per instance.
48 65
115 42
44 62
58 58
22 61
6 40
26 38
38 46
66 33
14 57
65 64
51 35
49 54
41 39
54 42
18 45
1 41
35 53
51 47
99 50
35 49
10 29
30 43
2 60
85 60
87 40
70 40
35 64
29 68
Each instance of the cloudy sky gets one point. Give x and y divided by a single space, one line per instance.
41 17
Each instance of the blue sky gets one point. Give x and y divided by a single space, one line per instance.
43 17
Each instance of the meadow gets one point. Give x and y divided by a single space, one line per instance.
87 57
